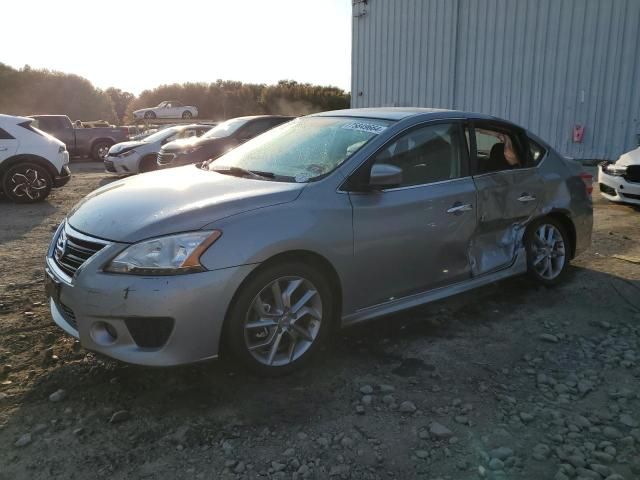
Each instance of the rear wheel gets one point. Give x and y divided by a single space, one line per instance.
27 183
548 248
148 164
100 149
187 114
280 317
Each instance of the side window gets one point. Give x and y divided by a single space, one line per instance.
254 128
4 135
427 154
497 149
536 152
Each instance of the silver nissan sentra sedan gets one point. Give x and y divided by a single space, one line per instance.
331 219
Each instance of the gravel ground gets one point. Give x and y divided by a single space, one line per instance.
512 381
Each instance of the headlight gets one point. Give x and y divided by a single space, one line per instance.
171 255
62 149
128 153
616 170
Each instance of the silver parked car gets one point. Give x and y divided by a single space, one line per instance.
333 218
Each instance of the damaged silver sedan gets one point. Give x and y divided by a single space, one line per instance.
330 219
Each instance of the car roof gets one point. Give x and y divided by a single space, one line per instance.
253 117
400 113
14 119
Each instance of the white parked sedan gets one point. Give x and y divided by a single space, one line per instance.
167 109
620 181
141 155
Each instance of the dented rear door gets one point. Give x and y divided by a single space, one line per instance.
508 198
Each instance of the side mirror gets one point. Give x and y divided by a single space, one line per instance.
384 175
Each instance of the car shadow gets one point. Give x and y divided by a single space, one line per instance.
21 218
408 344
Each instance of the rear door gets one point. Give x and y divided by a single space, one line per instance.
509 193
8 144
415 236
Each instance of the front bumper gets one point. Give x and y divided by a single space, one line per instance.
122 165
157 321
618 189
62 179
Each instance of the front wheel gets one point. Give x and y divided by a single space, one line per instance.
149 115
99 150
187 114
27 183
547 248
279 318
148 164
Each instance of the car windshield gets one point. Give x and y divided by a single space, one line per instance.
161 135
303 149
226 128
161 104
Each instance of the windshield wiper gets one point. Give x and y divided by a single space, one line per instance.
243 172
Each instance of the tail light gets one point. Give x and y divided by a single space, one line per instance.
587 178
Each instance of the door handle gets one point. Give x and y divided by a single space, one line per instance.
4 149
525 197
458 208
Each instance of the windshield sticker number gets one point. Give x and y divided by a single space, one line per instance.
365 127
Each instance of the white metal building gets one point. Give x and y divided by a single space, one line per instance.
552 66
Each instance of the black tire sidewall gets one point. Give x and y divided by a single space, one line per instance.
234 324
187 114
149 159
528 242
6 182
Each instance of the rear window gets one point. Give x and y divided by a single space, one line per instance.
4 135
536 152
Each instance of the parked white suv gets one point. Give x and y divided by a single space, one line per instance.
32 162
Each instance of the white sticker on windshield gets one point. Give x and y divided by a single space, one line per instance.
365 127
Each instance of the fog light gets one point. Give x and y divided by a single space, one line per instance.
103 333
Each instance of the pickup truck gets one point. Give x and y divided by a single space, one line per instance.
94 142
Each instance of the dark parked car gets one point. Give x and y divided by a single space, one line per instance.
218 140
94 142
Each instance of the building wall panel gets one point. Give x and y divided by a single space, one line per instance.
546 64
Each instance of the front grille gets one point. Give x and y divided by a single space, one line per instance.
165 158
108 166
631 195
607 189
72 250
69 315
633 173
149 332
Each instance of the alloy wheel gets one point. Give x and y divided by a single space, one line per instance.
283 321
28 184
548 251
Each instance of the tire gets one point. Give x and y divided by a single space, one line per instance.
100 149
149 115
27 183
295 340
148 164
187 114
548 251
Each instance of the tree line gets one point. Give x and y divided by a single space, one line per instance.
29 91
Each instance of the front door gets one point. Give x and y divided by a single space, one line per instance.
415 236
509 194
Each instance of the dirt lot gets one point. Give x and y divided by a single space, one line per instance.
512 381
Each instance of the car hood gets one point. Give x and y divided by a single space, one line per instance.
172 201
177 146
630 158
124 146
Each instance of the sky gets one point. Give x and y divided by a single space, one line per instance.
140 44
